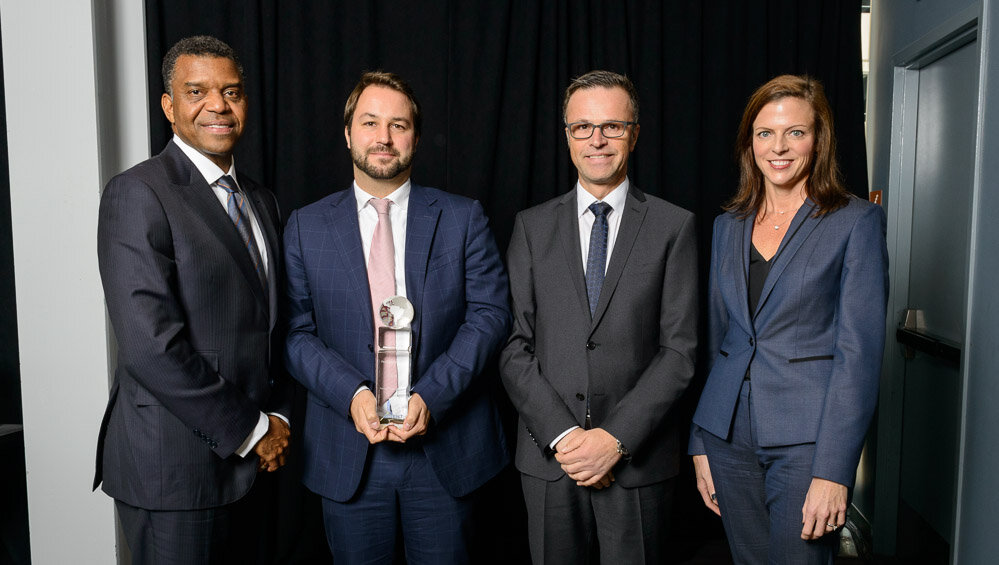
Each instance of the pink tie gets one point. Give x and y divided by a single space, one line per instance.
381 280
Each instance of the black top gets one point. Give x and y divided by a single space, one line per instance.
759 268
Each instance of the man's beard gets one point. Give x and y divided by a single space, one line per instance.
374 171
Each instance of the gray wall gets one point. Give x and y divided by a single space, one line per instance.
896 24
977 541
75 86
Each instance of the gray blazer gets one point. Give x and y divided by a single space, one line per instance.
196 337
633 359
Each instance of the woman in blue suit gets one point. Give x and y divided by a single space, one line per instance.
798 290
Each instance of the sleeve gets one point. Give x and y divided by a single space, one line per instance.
860 337
139 274
485 325
539 404
322 370
717 327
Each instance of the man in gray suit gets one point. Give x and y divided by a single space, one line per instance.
604 287
190 264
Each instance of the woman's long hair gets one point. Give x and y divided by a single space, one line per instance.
824 185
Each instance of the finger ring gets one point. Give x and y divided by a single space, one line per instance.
831 526
714 497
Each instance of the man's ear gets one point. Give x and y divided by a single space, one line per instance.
166 102
346 135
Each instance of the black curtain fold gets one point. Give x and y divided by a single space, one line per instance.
490 76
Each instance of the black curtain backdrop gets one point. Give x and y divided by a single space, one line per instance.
490 76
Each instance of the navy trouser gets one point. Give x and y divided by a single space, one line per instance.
399 491
236 533
761 491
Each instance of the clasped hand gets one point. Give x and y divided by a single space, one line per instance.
365 415
273 447
588 456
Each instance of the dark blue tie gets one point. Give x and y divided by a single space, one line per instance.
596 260
235 206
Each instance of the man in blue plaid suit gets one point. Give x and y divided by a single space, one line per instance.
418 476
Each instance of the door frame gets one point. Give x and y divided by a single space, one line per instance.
954 33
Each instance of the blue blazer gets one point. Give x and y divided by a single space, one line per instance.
814 345
458 286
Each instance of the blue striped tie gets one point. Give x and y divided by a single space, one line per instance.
596 260
234 205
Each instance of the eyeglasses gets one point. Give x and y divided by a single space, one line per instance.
612 129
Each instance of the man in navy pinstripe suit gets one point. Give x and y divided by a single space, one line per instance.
190 265
420 476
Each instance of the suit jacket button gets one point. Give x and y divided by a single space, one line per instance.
750 341
579 396
371 348
591 346
528 349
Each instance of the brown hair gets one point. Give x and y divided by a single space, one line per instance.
605 79
388 80
825 186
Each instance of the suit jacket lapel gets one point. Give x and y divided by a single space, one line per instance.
744 242
193 189
267 227
568 232
346 235
421 224
632 218
803 223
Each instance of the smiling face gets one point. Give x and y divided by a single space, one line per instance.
208 106
381 138
602 162
784 142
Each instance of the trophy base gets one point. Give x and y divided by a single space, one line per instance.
385 420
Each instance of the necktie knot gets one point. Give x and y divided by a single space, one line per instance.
600 209
381 205
227 184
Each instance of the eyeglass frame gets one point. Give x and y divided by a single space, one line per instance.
600 126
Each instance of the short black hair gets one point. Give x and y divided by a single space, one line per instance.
201 46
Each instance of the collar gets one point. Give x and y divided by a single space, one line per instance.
399 197
210 171
616 198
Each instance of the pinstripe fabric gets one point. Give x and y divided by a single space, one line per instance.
194 330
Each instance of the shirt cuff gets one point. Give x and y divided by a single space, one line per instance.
282 417
359 390
560 436
263 423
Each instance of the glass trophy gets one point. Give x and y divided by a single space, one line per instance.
393 359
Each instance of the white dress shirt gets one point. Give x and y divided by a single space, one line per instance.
616 198
212 174
367 218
